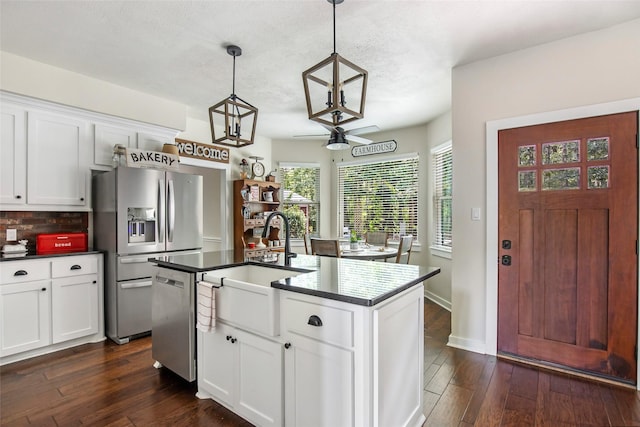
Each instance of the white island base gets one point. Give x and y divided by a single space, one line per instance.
329 363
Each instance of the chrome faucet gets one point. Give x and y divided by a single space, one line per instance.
287 240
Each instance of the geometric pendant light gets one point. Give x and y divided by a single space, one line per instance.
335 88
237 117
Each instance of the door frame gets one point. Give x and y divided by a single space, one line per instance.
492 128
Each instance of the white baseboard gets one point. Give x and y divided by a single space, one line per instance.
438 300
467 344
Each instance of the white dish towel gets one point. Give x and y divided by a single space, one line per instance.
206 306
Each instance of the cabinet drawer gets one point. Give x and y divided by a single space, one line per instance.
301 317
24 271
74 266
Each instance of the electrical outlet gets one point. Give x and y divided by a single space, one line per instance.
12 234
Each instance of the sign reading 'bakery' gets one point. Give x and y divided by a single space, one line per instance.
207 152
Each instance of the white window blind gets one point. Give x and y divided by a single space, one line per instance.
301 198
380 196
442 166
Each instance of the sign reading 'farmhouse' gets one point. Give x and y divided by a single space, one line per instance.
197 150
151 159
376 148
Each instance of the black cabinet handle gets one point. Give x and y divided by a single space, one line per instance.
82 199
233 340
43 289
18 197
20 273
228 337
287 345
75 267
314 321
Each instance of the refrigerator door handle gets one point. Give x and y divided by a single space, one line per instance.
160 211
171 211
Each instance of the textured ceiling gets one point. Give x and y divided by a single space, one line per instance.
176 49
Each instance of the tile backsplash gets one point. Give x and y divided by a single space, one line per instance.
31 223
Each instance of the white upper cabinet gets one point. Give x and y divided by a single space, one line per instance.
106 137
57 149
13 156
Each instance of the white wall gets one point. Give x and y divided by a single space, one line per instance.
592 68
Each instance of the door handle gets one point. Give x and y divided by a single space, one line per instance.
505 260
160 211
171 211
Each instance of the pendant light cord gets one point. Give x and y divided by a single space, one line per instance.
233 84
334 27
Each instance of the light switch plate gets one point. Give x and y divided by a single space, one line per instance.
12 234
475 214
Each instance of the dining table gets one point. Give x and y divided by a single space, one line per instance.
369 253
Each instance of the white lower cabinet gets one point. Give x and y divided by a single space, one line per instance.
341 364
25 316
49 304
242 371
74 307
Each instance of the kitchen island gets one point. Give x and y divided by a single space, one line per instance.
342 343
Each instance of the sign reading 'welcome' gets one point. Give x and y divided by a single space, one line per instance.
207 152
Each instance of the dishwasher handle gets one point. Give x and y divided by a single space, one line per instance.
170 282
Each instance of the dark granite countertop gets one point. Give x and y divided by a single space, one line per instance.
357 282
32 255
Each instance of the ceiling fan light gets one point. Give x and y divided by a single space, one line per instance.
235 117
337 145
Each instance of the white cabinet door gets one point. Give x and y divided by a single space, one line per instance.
216 363
242 371
74 307
319 384
106 137
57 160
259 380
13 156
24 310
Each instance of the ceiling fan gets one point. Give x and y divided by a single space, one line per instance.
339 138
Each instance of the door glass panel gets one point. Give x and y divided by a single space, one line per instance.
598 176
554 153
527 181
598 148
561 179
527 155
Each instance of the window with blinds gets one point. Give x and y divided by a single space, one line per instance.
301 198
442 167
379 196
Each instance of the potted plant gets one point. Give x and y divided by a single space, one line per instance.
353 241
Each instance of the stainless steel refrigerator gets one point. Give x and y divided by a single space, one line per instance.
138 214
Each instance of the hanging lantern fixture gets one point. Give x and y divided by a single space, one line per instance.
333 86
237 117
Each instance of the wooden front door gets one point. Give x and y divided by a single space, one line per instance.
568 224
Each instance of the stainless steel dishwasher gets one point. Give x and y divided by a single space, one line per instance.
173 326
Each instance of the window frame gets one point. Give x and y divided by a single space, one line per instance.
317 203
380 160
437 249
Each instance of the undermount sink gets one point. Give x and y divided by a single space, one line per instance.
246 298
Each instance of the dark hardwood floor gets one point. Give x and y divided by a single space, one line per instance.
109 385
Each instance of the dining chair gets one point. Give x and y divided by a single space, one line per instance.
307 244
325 247
377 238
404 248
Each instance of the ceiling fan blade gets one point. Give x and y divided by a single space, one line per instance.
316 135
363 130
357 139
